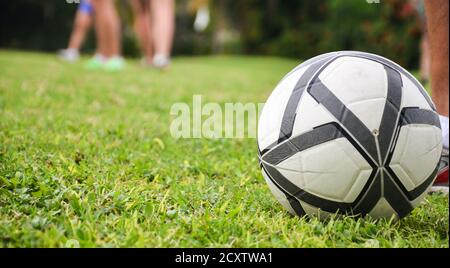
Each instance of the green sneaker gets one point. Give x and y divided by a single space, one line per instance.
114 64
96 62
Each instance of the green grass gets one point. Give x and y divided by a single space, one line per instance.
87 157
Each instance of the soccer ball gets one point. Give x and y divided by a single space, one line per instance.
352 133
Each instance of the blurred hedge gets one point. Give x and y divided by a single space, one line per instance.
291 28
302 29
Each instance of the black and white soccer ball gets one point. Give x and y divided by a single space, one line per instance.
349 132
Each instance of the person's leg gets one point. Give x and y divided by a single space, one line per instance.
98 60
83 20
163 18
107 27
99 21
437 23
82 23
108 35
141 10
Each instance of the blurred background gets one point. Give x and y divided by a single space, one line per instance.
286 28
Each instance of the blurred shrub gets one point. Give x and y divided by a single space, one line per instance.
302 29
42 25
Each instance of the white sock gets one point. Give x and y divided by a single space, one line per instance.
160 60
444 126
72 51
69 54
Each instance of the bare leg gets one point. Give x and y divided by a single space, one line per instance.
102 48
107 27
141 10
82 23
81 26
163 16
437 21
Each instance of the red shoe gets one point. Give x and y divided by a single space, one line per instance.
442 176
441 182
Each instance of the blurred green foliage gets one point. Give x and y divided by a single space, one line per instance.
303 29
289 28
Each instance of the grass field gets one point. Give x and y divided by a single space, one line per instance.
86 159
